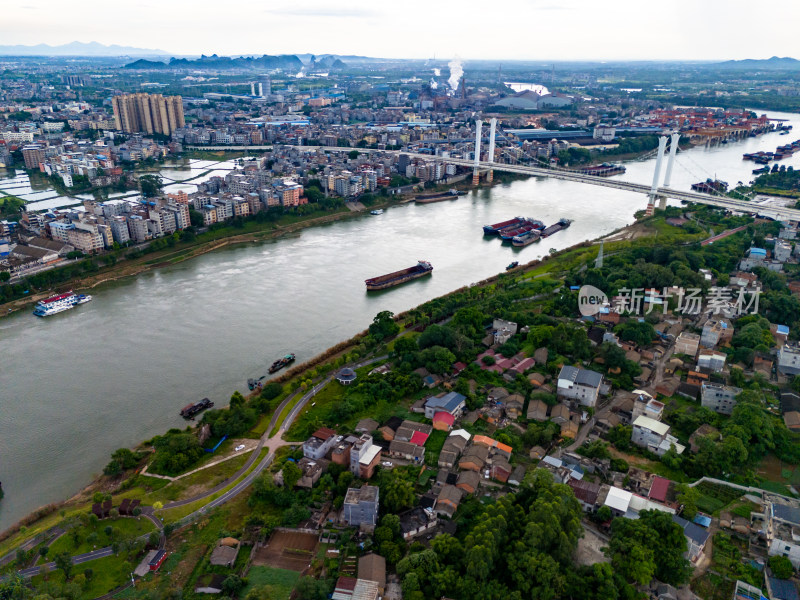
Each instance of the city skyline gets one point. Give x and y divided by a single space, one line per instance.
570 30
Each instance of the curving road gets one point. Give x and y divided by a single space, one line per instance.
272 442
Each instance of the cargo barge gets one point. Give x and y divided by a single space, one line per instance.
710 186
281 362
529 225
190 410
525 239
438 197
556 227
421 269
604 170
498 227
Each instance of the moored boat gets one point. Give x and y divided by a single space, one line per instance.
529 225
281 362
524 239
421 269
556 227
190 410
438 197
513 265
497 227
59 303
377 211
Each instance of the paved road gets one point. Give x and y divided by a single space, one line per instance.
272 442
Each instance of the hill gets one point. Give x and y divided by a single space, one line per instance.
774 63
286 62
78 49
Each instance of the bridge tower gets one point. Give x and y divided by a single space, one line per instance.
673 150
651 204
492 130
475 174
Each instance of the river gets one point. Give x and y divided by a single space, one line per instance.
116 371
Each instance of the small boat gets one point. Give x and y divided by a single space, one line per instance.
513 265
377 211
529 225
281 362
190 410
421 269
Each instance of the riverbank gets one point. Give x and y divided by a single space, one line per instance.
311 368
125 268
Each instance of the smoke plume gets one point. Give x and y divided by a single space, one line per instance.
456 71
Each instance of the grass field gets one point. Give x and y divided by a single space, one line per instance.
128 527
281 581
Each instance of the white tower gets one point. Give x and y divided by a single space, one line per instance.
492 128
252 88
478 127
662 145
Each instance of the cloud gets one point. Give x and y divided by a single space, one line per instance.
324 11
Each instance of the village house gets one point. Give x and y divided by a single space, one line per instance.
579 384
687 343
654 436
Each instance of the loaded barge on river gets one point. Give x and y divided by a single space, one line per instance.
190 410
421 269
438 197
281 362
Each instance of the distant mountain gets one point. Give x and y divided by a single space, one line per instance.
774 63
78 49
287 62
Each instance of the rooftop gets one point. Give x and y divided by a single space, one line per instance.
656 427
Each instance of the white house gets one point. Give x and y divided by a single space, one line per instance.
579 384
654 435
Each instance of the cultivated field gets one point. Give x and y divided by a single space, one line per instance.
291 550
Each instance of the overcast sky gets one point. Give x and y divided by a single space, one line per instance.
504 29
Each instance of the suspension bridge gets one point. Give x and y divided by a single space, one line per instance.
658 192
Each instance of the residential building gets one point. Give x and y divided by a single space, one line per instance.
416 521
448 500
361 506
781 528
225 552
782 250
372 567
715 332
34 156
654 436
407 451
453 447
687 343
452 403
579 384
789 359
148 113
719 398
711 360
347 588
320 442
364 457
696 538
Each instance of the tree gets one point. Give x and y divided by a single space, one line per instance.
353 154
43 551
291 474
4 276
688 497
309 588
63 561
121 460
151 185
781 567
232 585
383 325
196 218
397 494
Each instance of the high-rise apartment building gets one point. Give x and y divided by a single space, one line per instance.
148 113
